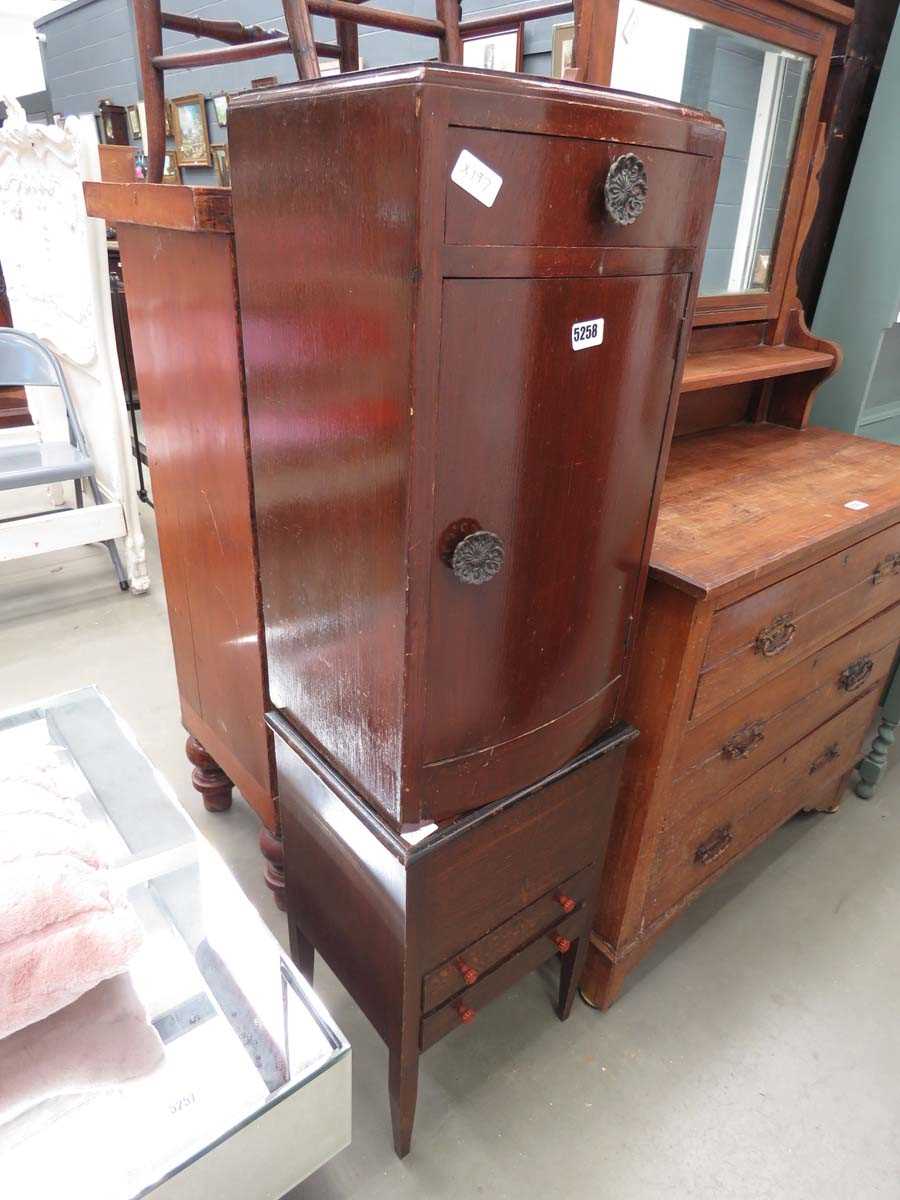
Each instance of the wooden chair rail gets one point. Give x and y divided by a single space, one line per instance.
245 42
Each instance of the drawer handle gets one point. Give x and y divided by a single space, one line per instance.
474 555
466 1014
740 744
717 841
889 565
854 675
469 974
625 189
566 903
563 944
829 754
776 637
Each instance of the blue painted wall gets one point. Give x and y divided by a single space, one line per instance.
89 53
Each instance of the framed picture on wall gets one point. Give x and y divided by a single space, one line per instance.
561 49
500 51
220 105
221 163
134 121
171 170
190 131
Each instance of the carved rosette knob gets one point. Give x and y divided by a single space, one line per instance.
477 557
625 189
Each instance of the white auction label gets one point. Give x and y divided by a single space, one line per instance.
587 333
476 178
857 505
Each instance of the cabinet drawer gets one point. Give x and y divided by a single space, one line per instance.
729 746
450 1015
567 209
464 969
500 865
696 847
752 639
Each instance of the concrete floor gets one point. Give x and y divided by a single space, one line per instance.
755 1055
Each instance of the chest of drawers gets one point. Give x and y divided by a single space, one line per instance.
464 297
770 625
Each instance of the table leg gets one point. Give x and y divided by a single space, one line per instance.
208 777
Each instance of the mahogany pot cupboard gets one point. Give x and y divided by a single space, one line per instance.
458 409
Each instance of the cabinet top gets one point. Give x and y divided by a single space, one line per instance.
757 502
707 131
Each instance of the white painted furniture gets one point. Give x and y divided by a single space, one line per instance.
55 265
244 1087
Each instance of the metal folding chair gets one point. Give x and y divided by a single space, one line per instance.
26 362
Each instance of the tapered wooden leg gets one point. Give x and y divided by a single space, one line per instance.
873 766
303 952
208 778
571 966
404 1088
602 981
272 848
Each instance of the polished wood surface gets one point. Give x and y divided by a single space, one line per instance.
393 920
759 362
375 452
161 205
185 328
784 490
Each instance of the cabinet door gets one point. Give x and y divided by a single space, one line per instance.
550 440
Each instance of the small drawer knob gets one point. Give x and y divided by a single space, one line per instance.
625 189
469 974
566 903
477 557
563 944
466 1014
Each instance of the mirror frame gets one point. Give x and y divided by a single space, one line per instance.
794 28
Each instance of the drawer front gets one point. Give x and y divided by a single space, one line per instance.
526 648
511 859
568 208
695 848
466 968
752 639
465 1008
731 745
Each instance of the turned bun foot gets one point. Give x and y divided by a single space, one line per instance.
208 778
272 848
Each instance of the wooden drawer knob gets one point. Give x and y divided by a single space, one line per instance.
566 903
466 1014
562 944
775 637
469 974
855 675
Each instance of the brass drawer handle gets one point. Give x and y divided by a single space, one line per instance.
855 675
742 743
829 754
717 841
889 565
625 189
775 637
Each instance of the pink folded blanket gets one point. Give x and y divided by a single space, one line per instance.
63 928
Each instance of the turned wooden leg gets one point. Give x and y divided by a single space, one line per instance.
571 966
303 952
873 766
272 848
404 1086
208 778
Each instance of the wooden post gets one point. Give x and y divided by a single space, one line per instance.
299 27
451 42
148 32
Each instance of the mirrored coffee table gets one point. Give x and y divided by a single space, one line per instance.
210 1069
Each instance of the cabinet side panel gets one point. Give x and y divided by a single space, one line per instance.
185 331
325 197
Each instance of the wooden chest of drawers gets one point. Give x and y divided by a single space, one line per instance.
770 625
454 487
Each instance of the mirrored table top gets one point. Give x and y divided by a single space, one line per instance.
210 1028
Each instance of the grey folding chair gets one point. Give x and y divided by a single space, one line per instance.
26 361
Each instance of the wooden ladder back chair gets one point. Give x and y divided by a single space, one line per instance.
242 42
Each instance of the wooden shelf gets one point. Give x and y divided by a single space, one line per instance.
721 367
